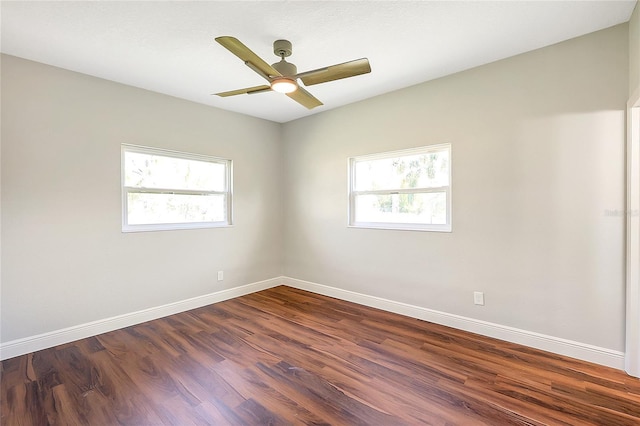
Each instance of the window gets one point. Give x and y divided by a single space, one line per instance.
164 190
408 189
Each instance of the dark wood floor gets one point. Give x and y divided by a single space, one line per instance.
285 356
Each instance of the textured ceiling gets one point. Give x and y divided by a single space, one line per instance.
169 47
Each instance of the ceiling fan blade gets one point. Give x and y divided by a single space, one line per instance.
248 90
335 72
250 59
304 98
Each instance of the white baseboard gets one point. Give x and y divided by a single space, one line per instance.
583 351
557 345
58 337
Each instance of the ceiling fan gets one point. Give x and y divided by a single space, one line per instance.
282 76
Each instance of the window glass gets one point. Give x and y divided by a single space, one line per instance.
156 171
413 171
174 208
429 208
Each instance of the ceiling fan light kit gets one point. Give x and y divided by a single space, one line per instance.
283 85
282 76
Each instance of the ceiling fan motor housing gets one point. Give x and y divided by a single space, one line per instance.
285 68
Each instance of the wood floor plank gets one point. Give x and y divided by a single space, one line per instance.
285 356
253 386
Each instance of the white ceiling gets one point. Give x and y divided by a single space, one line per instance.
169 47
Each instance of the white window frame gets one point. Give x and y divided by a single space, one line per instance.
352 223
126 190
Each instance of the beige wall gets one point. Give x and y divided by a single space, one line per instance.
65 261
634 52
538 175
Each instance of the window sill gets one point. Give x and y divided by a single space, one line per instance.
407 227
173 227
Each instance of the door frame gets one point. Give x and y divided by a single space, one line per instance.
632 333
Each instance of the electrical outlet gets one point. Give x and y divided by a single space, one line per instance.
478 298
220 275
